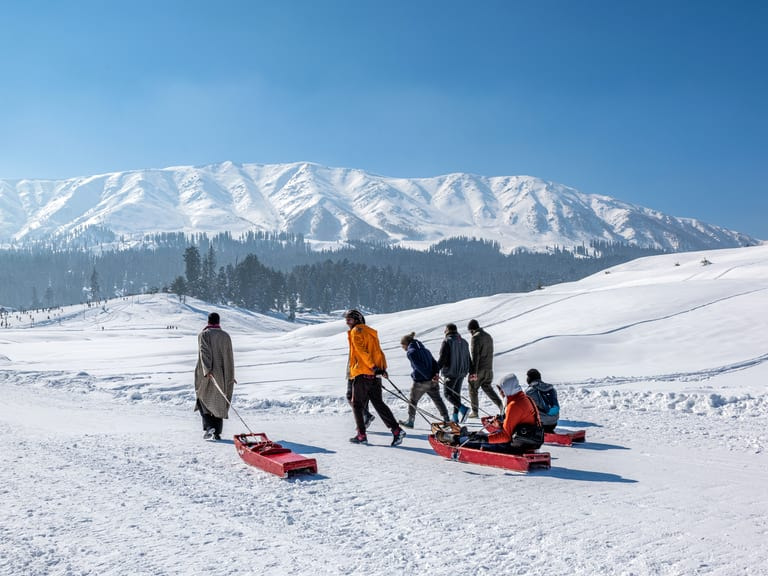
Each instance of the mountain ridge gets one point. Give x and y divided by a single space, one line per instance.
335 205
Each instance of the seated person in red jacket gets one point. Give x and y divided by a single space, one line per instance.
520 415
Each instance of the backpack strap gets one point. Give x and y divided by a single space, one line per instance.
535 411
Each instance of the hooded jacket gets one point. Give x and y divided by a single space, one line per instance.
365 353
421 359
519 410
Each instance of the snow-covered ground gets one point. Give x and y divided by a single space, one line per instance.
662 360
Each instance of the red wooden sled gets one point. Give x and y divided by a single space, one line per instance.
565 437
519 463
259 451
559 436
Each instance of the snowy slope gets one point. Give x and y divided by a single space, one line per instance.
332 205
662 360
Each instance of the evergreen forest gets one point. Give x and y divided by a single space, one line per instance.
277 272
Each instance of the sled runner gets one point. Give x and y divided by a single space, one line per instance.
259 451
559 436
440 440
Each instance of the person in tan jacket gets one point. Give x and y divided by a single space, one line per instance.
214 377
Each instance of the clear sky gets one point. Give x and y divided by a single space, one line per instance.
658 103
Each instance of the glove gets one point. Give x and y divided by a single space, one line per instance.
554 411
380 372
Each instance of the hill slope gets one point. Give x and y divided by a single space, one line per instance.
662 361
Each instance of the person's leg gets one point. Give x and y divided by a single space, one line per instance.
487 386
434 393
374 395
359 402
452 393
474 401
417 391
366 413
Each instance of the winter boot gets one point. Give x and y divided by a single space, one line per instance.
210 434
398 434
367 419
463 413
359 439
407 423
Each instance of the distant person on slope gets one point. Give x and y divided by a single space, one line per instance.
454 363
545 397
424 375
215 366
481 370
367 364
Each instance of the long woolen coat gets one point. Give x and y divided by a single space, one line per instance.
215 355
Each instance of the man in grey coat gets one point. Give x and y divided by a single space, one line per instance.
481 370
215 365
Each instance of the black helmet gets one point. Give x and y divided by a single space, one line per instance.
356 315
532 375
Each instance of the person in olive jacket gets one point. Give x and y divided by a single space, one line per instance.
481 368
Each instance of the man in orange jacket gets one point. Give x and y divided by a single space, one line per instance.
366 364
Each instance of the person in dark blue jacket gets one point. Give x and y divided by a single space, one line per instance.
424 375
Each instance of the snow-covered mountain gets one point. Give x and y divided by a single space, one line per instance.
330 205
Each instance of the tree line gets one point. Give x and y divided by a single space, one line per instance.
280 272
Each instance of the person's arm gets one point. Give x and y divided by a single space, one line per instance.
474 354
504 434
444 358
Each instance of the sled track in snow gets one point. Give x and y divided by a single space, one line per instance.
630 325
693 376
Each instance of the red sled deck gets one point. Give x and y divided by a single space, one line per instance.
559 436
259 451
519 463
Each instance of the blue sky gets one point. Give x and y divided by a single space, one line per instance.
659 103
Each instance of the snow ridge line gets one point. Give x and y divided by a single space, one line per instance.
575 395
630 325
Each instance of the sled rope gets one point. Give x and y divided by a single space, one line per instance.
423 413
455 453
468 401
230 403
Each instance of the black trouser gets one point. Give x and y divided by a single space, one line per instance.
366 411
452 390
209 420
364 389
